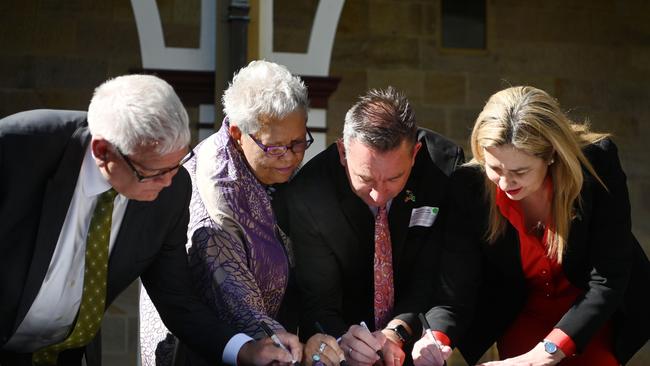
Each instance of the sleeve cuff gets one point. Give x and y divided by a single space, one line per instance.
232 348
563 341
442 338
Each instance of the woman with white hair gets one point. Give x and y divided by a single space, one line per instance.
539 253
240 259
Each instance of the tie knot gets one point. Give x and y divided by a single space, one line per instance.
107 196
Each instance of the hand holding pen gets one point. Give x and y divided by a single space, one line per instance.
428 350
361 346
278 342
379 352
340 354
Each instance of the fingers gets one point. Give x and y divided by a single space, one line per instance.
380 337
393 354
426 352
292 342
360 352
262 352
446 352
360 345
373 340
325 347
332 351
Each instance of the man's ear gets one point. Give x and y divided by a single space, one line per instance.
341 148
99 148
235 133
416 148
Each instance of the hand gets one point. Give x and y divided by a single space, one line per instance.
361 346
427 351
331 355
264 351
535 357
393 354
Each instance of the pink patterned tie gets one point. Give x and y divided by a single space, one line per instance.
384 292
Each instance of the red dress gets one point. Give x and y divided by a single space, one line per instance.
550 295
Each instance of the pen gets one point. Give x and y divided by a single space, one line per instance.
379 352
427 330
320 329
274 337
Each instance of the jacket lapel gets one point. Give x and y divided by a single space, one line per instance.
122 262
398 221
56 201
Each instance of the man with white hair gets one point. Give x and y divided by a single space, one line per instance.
88 203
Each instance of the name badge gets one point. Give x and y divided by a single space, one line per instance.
423 216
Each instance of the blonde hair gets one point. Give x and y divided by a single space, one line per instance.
532 121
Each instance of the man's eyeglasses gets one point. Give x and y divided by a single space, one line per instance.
279 150
144 178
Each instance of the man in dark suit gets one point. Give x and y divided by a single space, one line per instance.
346 269
54 166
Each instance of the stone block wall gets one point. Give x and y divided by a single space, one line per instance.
594 56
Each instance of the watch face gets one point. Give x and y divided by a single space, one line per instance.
550 347
402 333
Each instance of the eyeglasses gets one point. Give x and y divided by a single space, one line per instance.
144 178
279 150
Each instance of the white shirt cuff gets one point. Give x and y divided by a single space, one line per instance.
232 348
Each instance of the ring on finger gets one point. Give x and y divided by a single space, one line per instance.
322 347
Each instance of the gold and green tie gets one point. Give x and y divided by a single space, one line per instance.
93 298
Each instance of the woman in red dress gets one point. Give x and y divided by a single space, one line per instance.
539 254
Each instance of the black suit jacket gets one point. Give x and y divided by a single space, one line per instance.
332 231
483 286
41 153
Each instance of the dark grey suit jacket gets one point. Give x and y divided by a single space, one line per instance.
41 153
332 231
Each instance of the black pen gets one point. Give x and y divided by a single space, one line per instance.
320 329
427 330
379 352
274 337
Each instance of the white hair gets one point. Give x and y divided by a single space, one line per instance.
137 110
262 89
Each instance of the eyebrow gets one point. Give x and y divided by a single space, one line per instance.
518 170
366 177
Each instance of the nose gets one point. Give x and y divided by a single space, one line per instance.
505 182
379 196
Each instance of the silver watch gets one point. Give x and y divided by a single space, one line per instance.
550 347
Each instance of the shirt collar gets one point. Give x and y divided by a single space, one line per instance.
374 209
92 181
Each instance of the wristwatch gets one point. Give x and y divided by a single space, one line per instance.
550 347
401 332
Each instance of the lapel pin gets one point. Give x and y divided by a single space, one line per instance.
409 196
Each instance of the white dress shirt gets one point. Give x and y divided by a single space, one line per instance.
53 312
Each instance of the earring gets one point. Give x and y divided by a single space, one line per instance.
551 161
